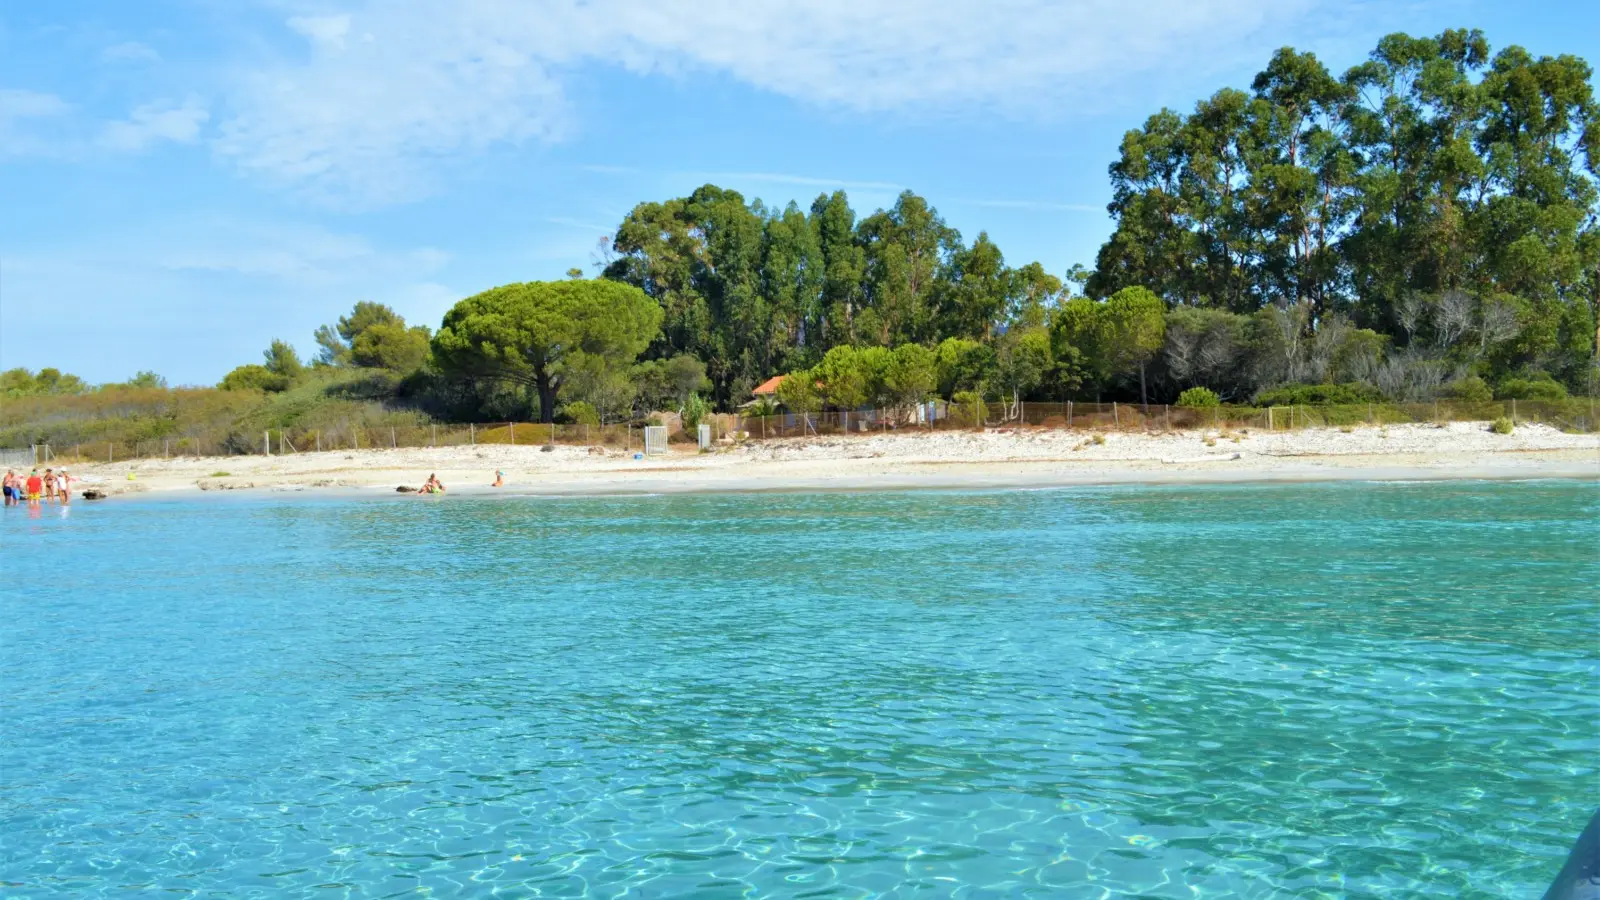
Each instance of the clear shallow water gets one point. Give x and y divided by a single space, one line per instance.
1317 690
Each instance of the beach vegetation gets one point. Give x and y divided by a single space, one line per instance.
1502 425
1199 398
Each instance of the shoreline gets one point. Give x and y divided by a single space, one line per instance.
913 461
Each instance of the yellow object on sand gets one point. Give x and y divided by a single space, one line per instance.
130 476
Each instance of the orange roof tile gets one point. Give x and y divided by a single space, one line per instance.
770 386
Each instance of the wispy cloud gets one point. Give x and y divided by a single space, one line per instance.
1043 205
802 180
574 223
21 112
153 123
390 89
130 52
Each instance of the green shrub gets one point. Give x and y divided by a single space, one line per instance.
581 412
254 378
1501 425
1538 386
1319 395
761 408
1470 389
219 474
1199 398
968 408
694 409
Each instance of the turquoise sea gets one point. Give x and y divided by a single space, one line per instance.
1352 690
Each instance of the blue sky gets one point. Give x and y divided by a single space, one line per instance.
183 180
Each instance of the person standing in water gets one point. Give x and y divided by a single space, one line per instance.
9 487
50 485
35 486
64 486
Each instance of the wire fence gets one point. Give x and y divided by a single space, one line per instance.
1570 415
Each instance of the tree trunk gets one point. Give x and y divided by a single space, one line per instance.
547 397
1144 402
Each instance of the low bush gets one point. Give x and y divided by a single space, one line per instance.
1470 389
1199 398
1319 395
1538 386
581 412
1501 425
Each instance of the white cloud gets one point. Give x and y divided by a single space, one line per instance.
155 122
21 114
131 52
328 30
19 104
388 87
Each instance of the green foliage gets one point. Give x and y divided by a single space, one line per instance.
392 346
843 378
912 375
146 379
282 360
254 378
48 381
967 408
533 333
695 409
1199 398
1502 425
1538 386
962 365
798 392
580 412
1470 389
761 407
1318 395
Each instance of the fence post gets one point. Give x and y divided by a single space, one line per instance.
1116 418
319 440
512 427
1513 410
393 445
433 435
472 434
266 443
1022 412
552 432
1168 408
1269 420
1069 413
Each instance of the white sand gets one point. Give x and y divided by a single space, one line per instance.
996 458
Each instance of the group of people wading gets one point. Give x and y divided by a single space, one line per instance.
50 487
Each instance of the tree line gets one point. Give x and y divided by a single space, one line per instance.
1423 225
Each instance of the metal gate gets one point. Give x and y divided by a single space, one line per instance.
655 439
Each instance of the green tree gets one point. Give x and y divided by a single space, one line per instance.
254 378
962 365
912 375
390 345
1130 329
146 379
282 360
842 378
530 333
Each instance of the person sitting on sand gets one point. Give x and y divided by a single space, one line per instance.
432 486
499 479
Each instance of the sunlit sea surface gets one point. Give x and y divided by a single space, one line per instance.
1356 690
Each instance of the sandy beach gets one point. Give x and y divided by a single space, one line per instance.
996 458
